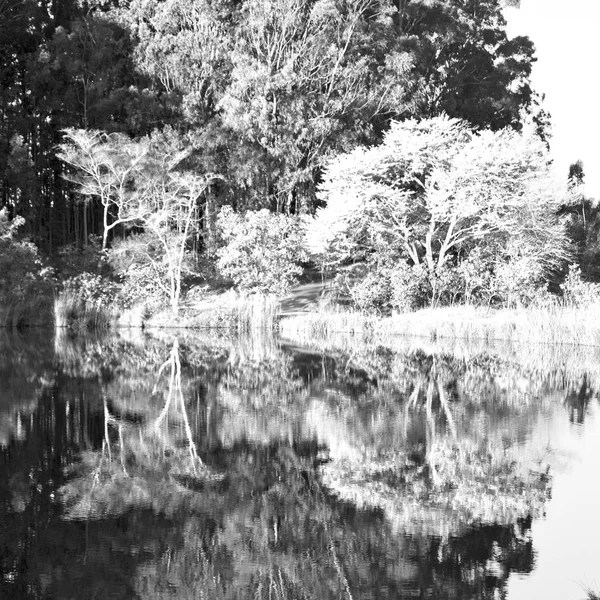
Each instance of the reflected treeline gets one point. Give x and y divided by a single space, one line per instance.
225 468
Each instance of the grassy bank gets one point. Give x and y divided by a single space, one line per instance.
552 324
230 310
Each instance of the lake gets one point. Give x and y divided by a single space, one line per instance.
207 466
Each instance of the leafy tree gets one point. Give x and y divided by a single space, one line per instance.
138 186
106 166
272 90
309 77
266 92
465 65
432 192
261 251
576 173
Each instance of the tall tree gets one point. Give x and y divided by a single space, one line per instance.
466 65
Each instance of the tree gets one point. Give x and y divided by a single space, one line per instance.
433 191
26 281
274 89
138 186
309 77
261 251
576 173
106 166
465 64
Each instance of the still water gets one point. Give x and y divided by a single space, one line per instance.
140 466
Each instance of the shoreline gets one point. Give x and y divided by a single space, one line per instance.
554 324
302 318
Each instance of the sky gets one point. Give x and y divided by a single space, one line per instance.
565 34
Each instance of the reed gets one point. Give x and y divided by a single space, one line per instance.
231 311
322 324
554 323
591 593
255 312
72 311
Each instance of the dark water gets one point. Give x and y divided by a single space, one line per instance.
206 467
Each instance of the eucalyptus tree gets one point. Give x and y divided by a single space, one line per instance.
273 89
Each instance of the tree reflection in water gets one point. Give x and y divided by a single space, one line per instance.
242 469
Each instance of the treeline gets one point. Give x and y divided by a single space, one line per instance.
260 94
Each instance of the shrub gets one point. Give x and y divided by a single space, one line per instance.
476 273
520 279
578 292
373 292
410 287
261 251
26 282
72 259
144 271
92 289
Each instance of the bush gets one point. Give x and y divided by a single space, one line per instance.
140 263
519 279
476 273
261 251
26 282
373 292
72 259
578 292
410 287
92 289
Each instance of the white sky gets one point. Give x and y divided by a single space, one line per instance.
565 34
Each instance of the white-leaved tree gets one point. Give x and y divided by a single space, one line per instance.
434 191
139 186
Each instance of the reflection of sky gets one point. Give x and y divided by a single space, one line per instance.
567 540
566 38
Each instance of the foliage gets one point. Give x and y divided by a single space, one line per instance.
261 251
434 192
73 259
26 281
139 185
578 292
410 286
140 262
265 94
372 292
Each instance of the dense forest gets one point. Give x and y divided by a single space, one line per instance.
150 143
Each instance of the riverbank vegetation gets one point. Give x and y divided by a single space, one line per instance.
395 149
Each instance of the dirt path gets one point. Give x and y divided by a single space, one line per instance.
303 297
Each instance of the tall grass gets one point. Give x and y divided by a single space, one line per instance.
255 312
553 323
232 311
72 311
322 324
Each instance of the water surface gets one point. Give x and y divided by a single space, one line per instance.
140 466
